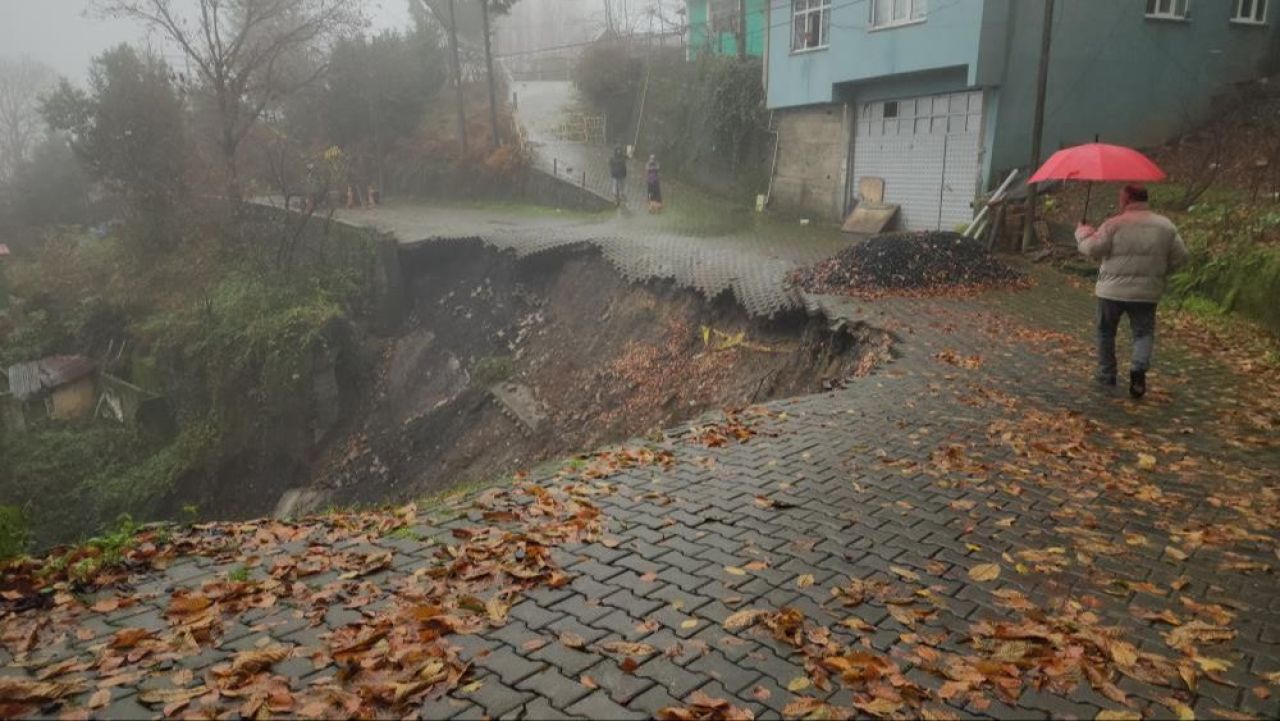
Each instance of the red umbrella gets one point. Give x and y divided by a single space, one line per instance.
1098 162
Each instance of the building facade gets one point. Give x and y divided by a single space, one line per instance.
713 27
937 97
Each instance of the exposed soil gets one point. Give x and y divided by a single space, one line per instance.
585 357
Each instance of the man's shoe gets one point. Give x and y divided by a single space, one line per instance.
1137 384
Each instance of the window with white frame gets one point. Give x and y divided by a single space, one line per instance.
887 13
811 22
1168 9
1250 11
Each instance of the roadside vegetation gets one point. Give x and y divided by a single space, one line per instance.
1223 193
705 119
136 244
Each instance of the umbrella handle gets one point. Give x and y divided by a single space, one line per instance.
1084 217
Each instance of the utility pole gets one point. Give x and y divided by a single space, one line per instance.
742 29
457 76
488 62
1037 126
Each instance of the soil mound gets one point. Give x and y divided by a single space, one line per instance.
931 263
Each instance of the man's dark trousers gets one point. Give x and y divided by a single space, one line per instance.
1142 321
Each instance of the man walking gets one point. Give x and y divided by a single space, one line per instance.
1138 249
618 171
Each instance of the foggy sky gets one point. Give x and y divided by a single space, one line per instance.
59 34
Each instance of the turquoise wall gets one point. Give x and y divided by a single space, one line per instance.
948 38
701 40
1114 73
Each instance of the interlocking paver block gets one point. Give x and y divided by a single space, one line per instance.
561 690
598 705
509 666
621 685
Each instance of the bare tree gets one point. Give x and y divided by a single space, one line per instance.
245 54
22 81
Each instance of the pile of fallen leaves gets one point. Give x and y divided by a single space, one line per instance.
396 655
915 264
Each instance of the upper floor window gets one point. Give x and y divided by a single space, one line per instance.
887 13
811 22
1250 11
1170 9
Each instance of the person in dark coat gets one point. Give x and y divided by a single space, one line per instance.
618 171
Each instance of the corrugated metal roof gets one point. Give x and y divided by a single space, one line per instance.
60 370
28 379
24 379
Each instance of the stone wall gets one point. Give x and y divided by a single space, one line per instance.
813 151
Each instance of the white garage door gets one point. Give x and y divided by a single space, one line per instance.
928 151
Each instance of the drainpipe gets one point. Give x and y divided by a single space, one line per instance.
773 166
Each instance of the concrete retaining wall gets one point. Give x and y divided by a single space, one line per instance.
813 149
546 189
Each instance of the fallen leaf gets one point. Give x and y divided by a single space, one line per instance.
879 706
1175 553
1146 461
1123 653
1211 665
938 713
534 644
743 618
629 665
1116 715
127 638
804 580
572 640
905 573
857 624
1180 709
985 572
497 610
799 683
587 681
734 571
169 697
627 648
760 693
689 623
100 698
255 660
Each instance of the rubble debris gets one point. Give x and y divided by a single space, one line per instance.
925 263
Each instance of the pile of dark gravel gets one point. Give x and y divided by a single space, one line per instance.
930 263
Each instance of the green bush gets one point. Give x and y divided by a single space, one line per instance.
14 532
490 370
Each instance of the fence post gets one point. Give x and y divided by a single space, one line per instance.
584 178
555 166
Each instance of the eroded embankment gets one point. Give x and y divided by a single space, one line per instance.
506 362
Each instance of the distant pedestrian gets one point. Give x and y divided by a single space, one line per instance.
654 183
1138 250
618 171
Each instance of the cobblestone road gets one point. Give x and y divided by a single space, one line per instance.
981 444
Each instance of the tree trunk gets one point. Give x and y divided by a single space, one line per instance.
457 77
488 62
